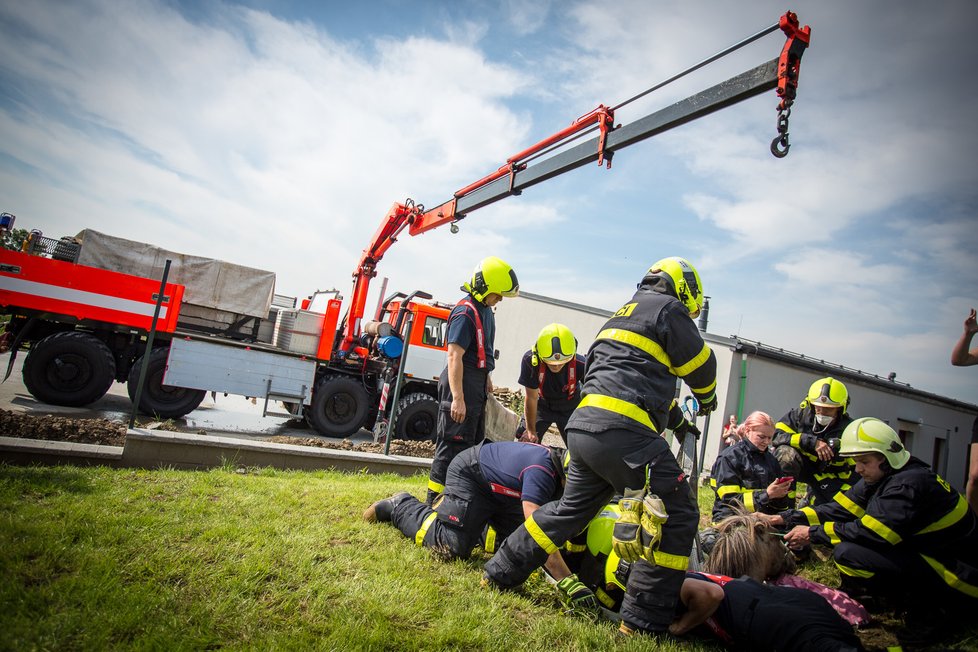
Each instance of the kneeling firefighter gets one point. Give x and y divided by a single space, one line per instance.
616 447
550 374
495 484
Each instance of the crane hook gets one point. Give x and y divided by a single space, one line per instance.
780 146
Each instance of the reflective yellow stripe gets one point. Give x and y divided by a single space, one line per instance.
575 547
639 342
539 536
951 579
694 364
795 440
713 483
704 390
854 572
728 489
881 529
605 599
749 500
950 518
675 562
829 476
830 531
434 486
850 506
490 539
618 406
810 515
783 427
423 530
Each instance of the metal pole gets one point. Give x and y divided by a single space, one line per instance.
392 423
149 344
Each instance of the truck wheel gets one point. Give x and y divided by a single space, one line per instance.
339 406
162 401
417 415
69 368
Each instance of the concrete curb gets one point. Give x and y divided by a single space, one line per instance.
152 449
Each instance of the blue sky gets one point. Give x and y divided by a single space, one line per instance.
278 134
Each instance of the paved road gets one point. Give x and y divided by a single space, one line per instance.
234 416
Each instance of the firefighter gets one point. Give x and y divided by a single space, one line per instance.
498 484
748 475
464 385
550 374
616 448
901 530
805 436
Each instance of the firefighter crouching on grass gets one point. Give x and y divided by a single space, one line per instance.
900 533
464 385
499 484
551 374
616 448
801 443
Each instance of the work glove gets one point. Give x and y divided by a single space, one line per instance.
575 596
708 406
626 538
653 516
686 427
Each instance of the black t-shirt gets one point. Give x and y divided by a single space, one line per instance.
555 392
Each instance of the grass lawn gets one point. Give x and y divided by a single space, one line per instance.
261 559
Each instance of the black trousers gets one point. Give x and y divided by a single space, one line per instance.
467 506
451 437
602 465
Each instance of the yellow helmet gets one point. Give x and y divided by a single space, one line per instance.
828 392
555 344
870 435
684 280
492 276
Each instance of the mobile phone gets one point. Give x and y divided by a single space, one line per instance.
786 478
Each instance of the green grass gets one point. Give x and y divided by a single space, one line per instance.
99 558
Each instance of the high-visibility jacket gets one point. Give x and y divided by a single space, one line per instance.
912 509
634 361
741 474
797 429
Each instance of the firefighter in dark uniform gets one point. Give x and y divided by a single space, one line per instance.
802 442
748 475
900 532
464 385
616 448
551 374
498 484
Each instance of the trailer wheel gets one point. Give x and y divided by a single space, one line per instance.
162 401
70 368
417 416
339 406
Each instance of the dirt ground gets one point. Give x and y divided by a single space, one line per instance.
111 433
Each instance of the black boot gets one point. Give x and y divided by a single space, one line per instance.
380 511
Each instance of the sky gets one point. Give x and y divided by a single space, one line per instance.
278 134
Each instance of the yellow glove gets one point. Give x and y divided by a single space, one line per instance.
653 516
626 538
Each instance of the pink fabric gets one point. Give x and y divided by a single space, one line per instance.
853 612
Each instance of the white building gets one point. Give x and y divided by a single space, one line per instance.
752 376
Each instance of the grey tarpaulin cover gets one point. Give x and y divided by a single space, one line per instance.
209 283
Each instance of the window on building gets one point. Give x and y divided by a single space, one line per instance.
939 458
906 438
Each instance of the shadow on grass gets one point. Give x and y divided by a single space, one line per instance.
46 480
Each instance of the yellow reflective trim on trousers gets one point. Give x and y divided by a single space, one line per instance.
849 505
951 579
423 530
830 532
881 529
639 342
490 545
434 486
675 562
618 406
854 572
950 518
695 363
810 515
540 536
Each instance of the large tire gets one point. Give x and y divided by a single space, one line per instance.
417 416
69 368
159 400
339 406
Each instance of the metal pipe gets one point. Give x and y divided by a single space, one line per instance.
392 423
149 344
